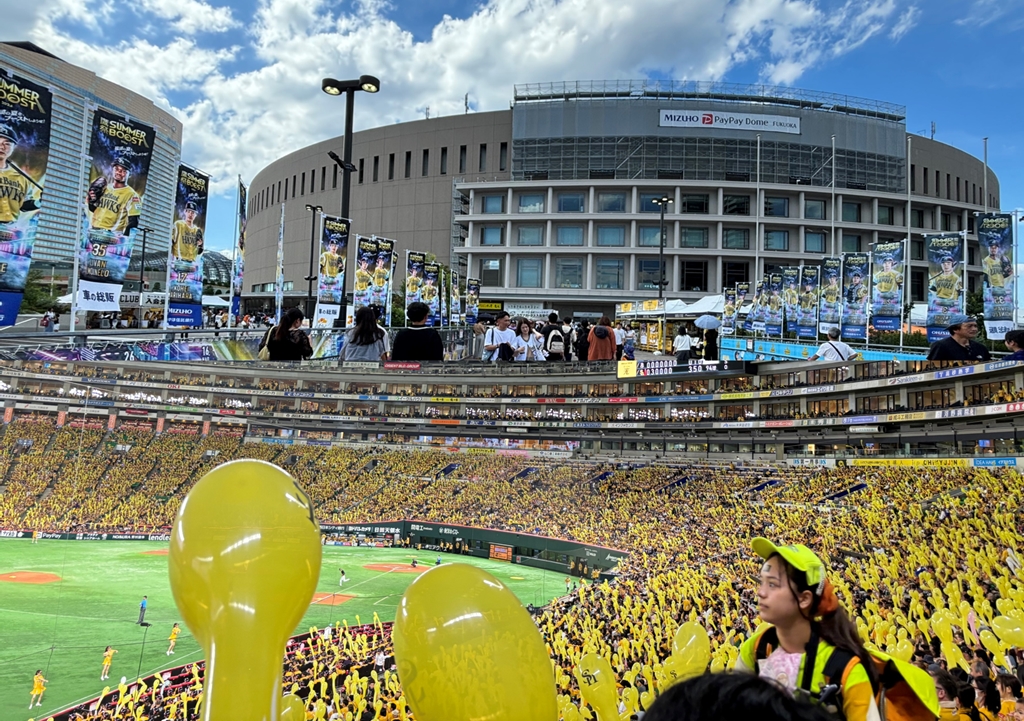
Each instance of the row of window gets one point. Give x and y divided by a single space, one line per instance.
297 186
976 194
270 287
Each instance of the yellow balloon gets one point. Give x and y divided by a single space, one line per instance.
990 642
904 650
1009 630
717 664
597 686
243 564
467 649
691 650
646 699
292 708
1004 605
942 629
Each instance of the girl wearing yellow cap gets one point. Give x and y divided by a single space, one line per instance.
812 648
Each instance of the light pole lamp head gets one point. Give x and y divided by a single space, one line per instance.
313 208
366 83
369 84
331 86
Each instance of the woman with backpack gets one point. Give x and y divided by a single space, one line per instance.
601 341
286 341
813 649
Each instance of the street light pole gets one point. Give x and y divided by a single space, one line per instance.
366 83
662 202
142 271
310 306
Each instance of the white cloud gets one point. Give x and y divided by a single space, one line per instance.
238 121
906 23
985 12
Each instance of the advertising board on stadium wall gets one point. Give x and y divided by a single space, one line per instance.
719 120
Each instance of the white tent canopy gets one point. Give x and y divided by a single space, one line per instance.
215 301
713 304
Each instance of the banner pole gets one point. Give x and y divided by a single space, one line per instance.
82 184
406 317
234 253
906 256
167 288
963 273
867 303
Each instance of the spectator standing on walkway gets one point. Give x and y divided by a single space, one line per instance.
418 342
602 345
583 343
620 339
711 344
367 341
1014 341
833 349
286 341
556 343
682 344
960 345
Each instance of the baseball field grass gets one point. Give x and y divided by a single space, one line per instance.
63 602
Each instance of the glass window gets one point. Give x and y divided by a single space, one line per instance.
491 272
462 160
647 204
483 158
503 156
814 242
490 235
611 202
814 209
736 238
288 285
693 237
776 240
736 205
694 275
648 273
611 235
531 203
608 273
693 204
917 250
648 235
444 161
734 273
776 207
570 202
530 235
528 272
885 215
851 243
569 235
569 272
917 218
493 203
851 212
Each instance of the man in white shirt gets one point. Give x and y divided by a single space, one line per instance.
834 349
498 335
620 339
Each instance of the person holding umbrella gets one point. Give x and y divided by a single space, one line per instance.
709 324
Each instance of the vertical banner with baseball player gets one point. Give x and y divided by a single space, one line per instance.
791 296
945 282
279 271
413 276
330 285
807 311
24 153
729 311
366 264
442 293
887 286
830 294
755 316
455 304
429 292
121 150
380 284
742 291
185 258
995 236
472 300
856 271
773 306
239 265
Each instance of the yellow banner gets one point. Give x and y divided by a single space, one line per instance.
490 305
650 305
445 399
627 369
737 396
957 462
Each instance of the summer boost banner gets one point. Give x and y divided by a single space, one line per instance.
729 311
442 293
945 282
185 259
855 295
807 311
755 316
429 292
330 284
742 291
791 296
773 305
366 264
120 150
24 152
455 307
414 262
995 236
239 269
380 287
887 286
472 300
830 294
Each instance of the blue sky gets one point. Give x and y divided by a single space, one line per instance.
237 73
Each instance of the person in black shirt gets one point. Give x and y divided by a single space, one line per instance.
553 326
418 342
960 346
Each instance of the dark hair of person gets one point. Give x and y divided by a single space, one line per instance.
417 311
1009 682
945 680
501 314
605 320
989 694
288 319
520 324
366 330
552 317
836 628
1015 336
731 696
965 697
